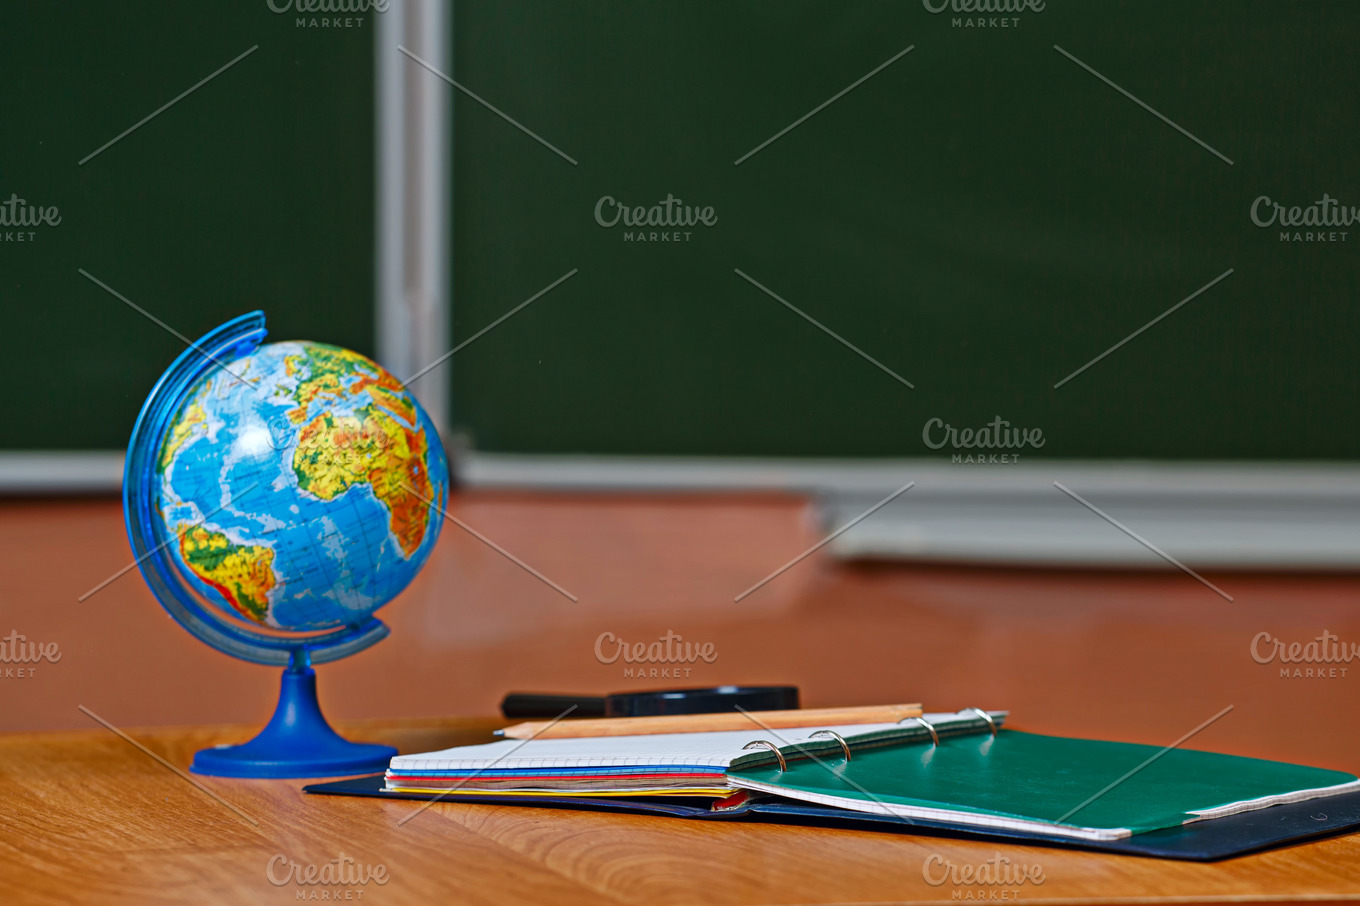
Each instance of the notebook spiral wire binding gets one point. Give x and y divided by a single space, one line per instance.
783 765
934 736
991 724
832 734
845 746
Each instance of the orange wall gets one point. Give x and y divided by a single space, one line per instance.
1144 657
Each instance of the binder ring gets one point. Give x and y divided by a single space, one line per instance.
934 737
783 765
845 747
985 716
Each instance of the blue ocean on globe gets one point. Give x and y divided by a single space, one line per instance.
300 487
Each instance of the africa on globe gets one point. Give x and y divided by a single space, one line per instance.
301 486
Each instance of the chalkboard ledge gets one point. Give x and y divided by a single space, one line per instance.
1059 513
61 472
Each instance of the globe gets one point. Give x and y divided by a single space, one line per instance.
333 482
277 495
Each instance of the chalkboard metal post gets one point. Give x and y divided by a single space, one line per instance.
413 128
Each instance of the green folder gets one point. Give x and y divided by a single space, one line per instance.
1081 788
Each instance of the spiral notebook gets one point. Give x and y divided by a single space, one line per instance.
961 772
673 764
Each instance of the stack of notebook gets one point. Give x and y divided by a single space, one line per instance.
960 772
672 764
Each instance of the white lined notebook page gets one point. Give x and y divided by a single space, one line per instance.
715 750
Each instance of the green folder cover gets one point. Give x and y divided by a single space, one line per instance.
1082 788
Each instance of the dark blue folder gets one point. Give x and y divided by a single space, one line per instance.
1203 841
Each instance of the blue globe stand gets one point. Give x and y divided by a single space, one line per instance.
297 742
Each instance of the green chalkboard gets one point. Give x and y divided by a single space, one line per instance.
983 216
253 191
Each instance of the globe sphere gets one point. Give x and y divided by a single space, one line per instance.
300 487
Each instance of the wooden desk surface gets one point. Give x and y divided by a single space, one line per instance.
89 818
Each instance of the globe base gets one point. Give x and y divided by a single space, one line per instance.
297 742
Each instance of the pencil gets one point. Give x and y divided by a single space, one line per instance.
701 723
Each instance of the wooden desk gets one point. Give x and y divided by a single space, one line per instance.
88 818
